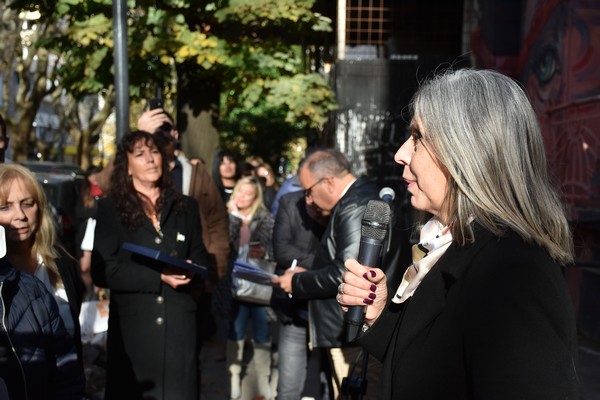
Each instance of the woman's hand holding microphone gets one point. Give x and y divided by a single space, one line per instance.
363 286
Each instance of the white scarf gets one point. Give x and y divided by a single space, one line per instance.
435 239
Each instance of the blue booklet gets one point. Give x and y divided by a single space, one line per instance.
251 273
200 270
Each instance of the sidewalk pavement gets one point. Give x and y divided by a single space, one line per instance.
214 375
589 369
215 378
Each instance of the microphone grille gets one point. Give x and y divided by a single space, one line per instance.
375 220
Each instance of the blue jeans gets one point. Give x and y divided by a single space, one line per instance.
260 323
299 368
292 361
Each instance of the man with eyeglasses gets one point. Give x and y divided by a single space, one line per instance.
329 184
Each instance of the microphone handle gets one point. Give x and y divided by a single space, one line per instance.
369 254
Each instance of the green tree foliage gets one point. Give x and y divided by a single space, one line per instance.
26 76
253 48
30 81
271 97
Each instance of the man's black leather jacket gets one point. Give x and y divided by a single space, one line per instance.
340 242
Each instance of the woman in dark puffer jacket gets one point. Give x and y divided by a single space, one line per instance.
38 359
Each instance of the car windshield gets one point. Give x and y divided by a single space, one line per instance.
54 167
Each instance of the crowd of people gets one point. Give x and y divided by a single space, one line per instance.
479 309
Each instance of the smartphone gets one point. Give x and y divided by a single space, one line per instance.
155 103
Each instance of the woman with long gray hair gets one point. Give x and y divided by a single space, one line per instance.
483 310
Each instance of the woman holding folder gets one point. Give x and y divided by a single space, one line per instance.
152 344
250 232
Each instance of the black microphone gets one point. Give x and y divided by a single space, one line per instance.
374 228
387 194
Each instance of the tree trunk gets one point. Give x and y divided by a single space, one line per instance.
197 113
85 144
33 71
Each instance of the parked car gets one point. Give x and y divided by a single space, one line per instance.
52 167
62 184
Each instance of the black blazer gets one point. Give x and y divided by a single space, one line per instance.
492 320
296 235
153 343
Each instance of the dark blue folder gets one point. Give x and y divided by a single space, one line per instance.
167 259
251 273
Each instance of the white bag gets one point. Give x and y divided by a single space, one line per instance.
88 237
93 319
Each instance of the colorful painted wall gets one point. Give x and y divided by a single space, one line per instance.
557 58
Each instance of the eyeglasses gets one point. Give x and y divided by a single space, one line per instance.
307 192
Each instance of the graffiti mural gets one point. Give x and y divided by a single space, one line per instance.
557 59
559 64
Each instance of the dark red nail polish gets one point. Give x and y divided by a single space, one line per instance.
372 296
373 273
365 276
368 301
373 288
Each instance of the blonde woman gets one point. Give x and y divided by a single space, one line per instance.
32 246
250 233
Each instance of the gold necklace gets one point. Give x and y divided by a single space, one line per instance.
156 224
158 229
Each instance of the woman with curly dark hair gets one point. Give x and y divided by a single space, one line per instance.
152 342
